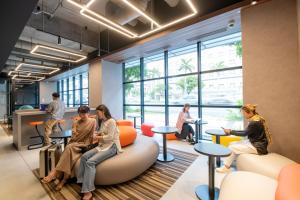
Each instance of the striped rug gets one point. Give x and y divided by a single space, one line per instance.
152 184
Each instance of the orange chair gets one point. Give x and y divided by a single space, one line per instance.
146 129
41 143
171 137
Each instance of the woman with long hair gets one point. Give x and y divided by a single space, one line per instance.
184 128
258 135
109 146
82 135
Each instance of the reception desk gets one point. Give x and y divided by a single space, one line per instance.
22 131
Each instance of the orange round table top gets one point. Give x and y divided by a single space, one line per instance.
35 123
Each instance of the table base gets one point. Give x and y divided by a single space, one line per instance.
170 157
202 193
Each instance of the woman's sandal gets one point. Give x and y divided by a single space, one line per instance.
47 179
60 185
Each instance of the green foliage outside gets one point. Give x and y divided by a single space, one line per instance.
187 84
233 115
238 48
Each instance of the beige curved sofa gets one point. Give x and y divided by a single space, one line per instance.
135 159
243 185
268 165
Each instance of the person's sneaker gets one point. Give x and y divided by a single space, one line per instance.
223 169
192 142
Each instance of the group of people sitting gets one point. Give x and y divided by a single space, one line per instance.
85 131
257 132
104 136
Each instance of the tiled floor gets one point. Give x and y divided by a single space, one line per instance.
18 182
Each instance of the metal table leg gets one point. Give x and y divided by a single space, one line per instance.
165 157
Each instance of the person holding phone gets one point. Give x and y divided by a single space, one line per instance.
185 130
258 135
108 146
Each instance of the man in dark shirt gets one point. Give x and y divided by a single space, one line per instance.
257 133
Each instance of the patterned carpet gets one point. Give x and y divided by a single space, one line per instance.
150 185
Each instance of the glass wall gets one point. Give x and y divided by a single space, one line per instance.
74 90
207 75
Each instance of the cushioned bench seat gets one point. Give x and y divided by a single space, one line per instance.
247 186
135 159
268 165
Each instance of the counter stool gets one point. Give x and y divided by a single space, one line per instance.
40 144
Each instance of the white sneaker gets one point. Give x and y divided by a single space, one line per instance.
223 169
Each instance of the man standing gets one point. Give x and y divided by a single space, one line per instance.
56 109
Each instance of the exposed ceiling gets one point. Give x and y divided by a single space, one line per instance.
54 19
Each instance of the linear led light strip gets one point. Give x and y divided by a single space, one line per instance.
33 51
85 8
23 79
112 25
141 12
54 69
12 73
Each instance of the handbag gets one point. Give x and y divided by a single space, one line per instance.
88 147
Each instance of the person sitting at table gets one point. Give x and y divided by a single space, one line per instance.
109 146
184 129
258 137
82 135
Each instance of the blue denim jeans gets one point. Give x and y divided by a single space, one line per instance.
88 163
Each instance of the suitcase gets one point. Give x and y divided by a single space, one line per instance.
49 157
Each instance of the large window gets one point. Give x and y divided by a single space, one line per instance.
74 90
207 75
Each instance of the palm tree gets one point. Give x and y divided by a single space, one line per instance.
185 66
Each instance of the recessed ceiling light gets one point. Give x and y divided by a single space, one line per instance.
35 49
86 12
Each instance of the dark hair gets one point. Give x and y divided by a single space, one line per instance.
105 110
185 106
55 94
83 109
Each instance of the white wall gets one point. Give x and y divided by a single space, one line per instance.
105 87
112 88
46 90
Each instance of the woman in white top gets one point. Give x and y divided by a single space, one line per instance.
109 146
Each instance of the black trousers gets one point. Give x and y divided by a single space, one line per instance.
186 131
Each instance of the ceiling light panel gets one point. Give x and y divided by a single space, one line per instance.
57 54
36 69
27 78
88 11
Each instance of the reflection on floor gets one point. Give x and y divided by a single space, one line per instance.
18 182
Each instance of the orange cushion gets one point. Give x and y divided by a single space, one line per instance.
127 135
171 137
146 129
123 122
288 187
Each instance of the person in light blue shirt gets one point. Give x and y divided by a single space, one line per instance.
56 109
